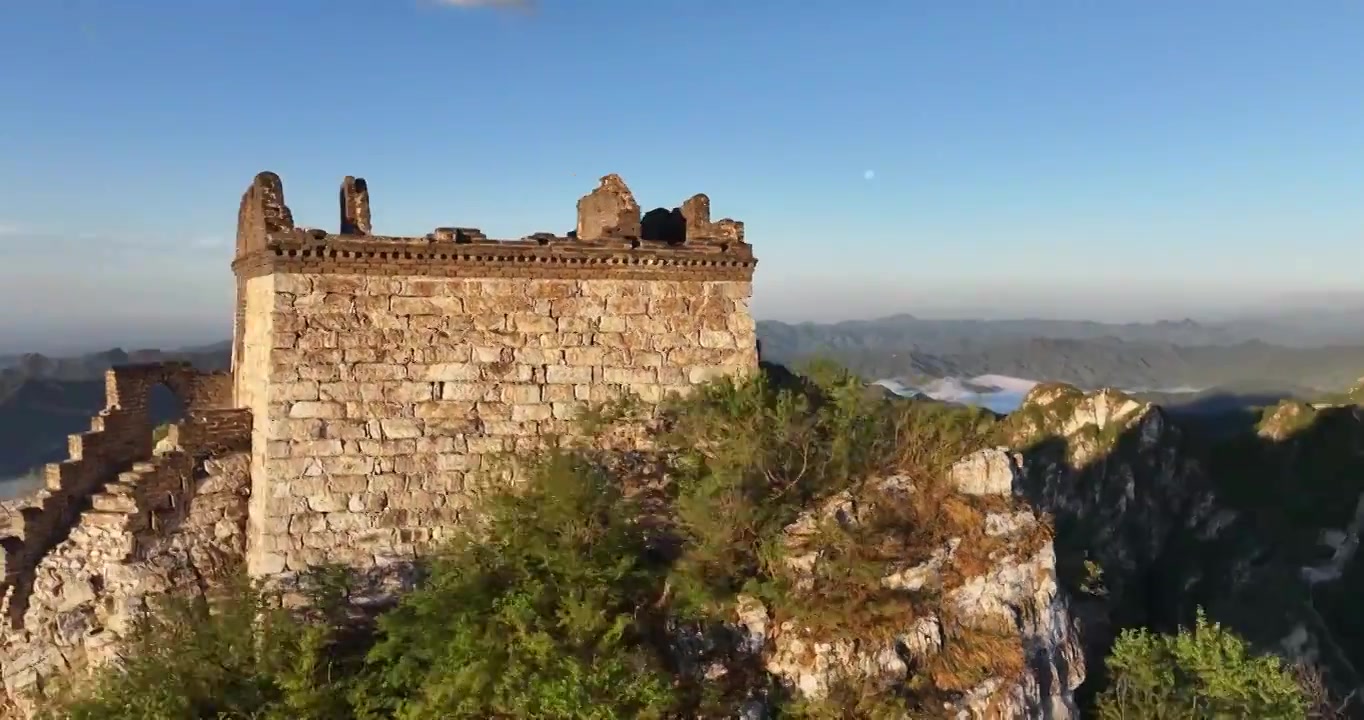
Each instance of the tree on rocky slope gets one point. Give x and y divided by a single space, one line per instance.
1203 673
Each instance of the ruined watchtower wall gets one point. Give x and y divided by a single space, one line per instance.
382 372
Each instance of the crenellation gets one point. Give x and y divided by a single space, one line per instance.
609 213
262 212
355 217
695 212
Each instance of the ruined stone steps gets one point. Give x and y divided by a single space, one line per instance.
125 482
104 519
114 502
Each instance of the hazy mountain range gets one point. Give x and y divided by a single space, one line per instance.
1149 356
1214 367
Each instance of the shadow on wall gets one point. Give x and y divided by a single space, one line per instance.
1257 524
661 225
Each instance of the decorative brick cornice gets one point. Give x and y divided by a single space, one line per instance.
305 251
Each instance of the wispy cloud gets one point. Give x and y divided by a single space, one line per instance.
209 241
493 4
35 245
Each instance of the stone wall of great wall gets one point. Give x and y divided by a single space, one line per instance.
374 378
116 522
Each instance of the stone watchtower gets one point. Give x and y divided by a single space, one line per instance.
381 372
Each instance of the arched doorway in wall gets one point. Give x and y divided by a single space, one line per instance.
165 412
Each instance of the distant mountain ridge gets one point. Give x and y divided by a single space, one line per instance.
1154 355
1289 329
42 399
15 370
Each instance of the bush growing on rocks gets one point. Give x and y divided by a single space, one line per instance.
546 613
237 655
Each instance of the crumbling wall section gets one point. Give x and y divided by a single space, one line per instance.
120 522
171 524
119 436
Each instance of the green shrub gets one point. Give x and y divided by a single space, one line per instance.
240 657
537 616
751 457
1207 672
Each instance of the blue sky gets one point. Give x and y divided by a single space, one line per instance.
1113 160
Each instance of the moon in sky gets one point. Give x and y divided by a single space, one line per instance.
869 175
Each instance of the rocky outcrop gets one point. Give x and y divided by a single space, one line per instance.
1115 472
1127 497
986 630
994 471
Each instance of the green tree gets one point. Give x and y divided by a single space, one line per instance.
1207 672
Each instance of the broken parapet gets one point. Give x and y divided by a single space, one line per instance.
355 218
611 240
119 438
609 212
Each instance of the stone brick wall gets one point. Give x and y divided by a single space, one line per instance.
385 394
383 373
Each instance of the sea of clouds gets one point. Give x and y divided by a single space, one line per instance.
997 393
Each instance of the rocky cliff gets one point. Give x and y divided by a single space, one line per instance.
1258 524
997 640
